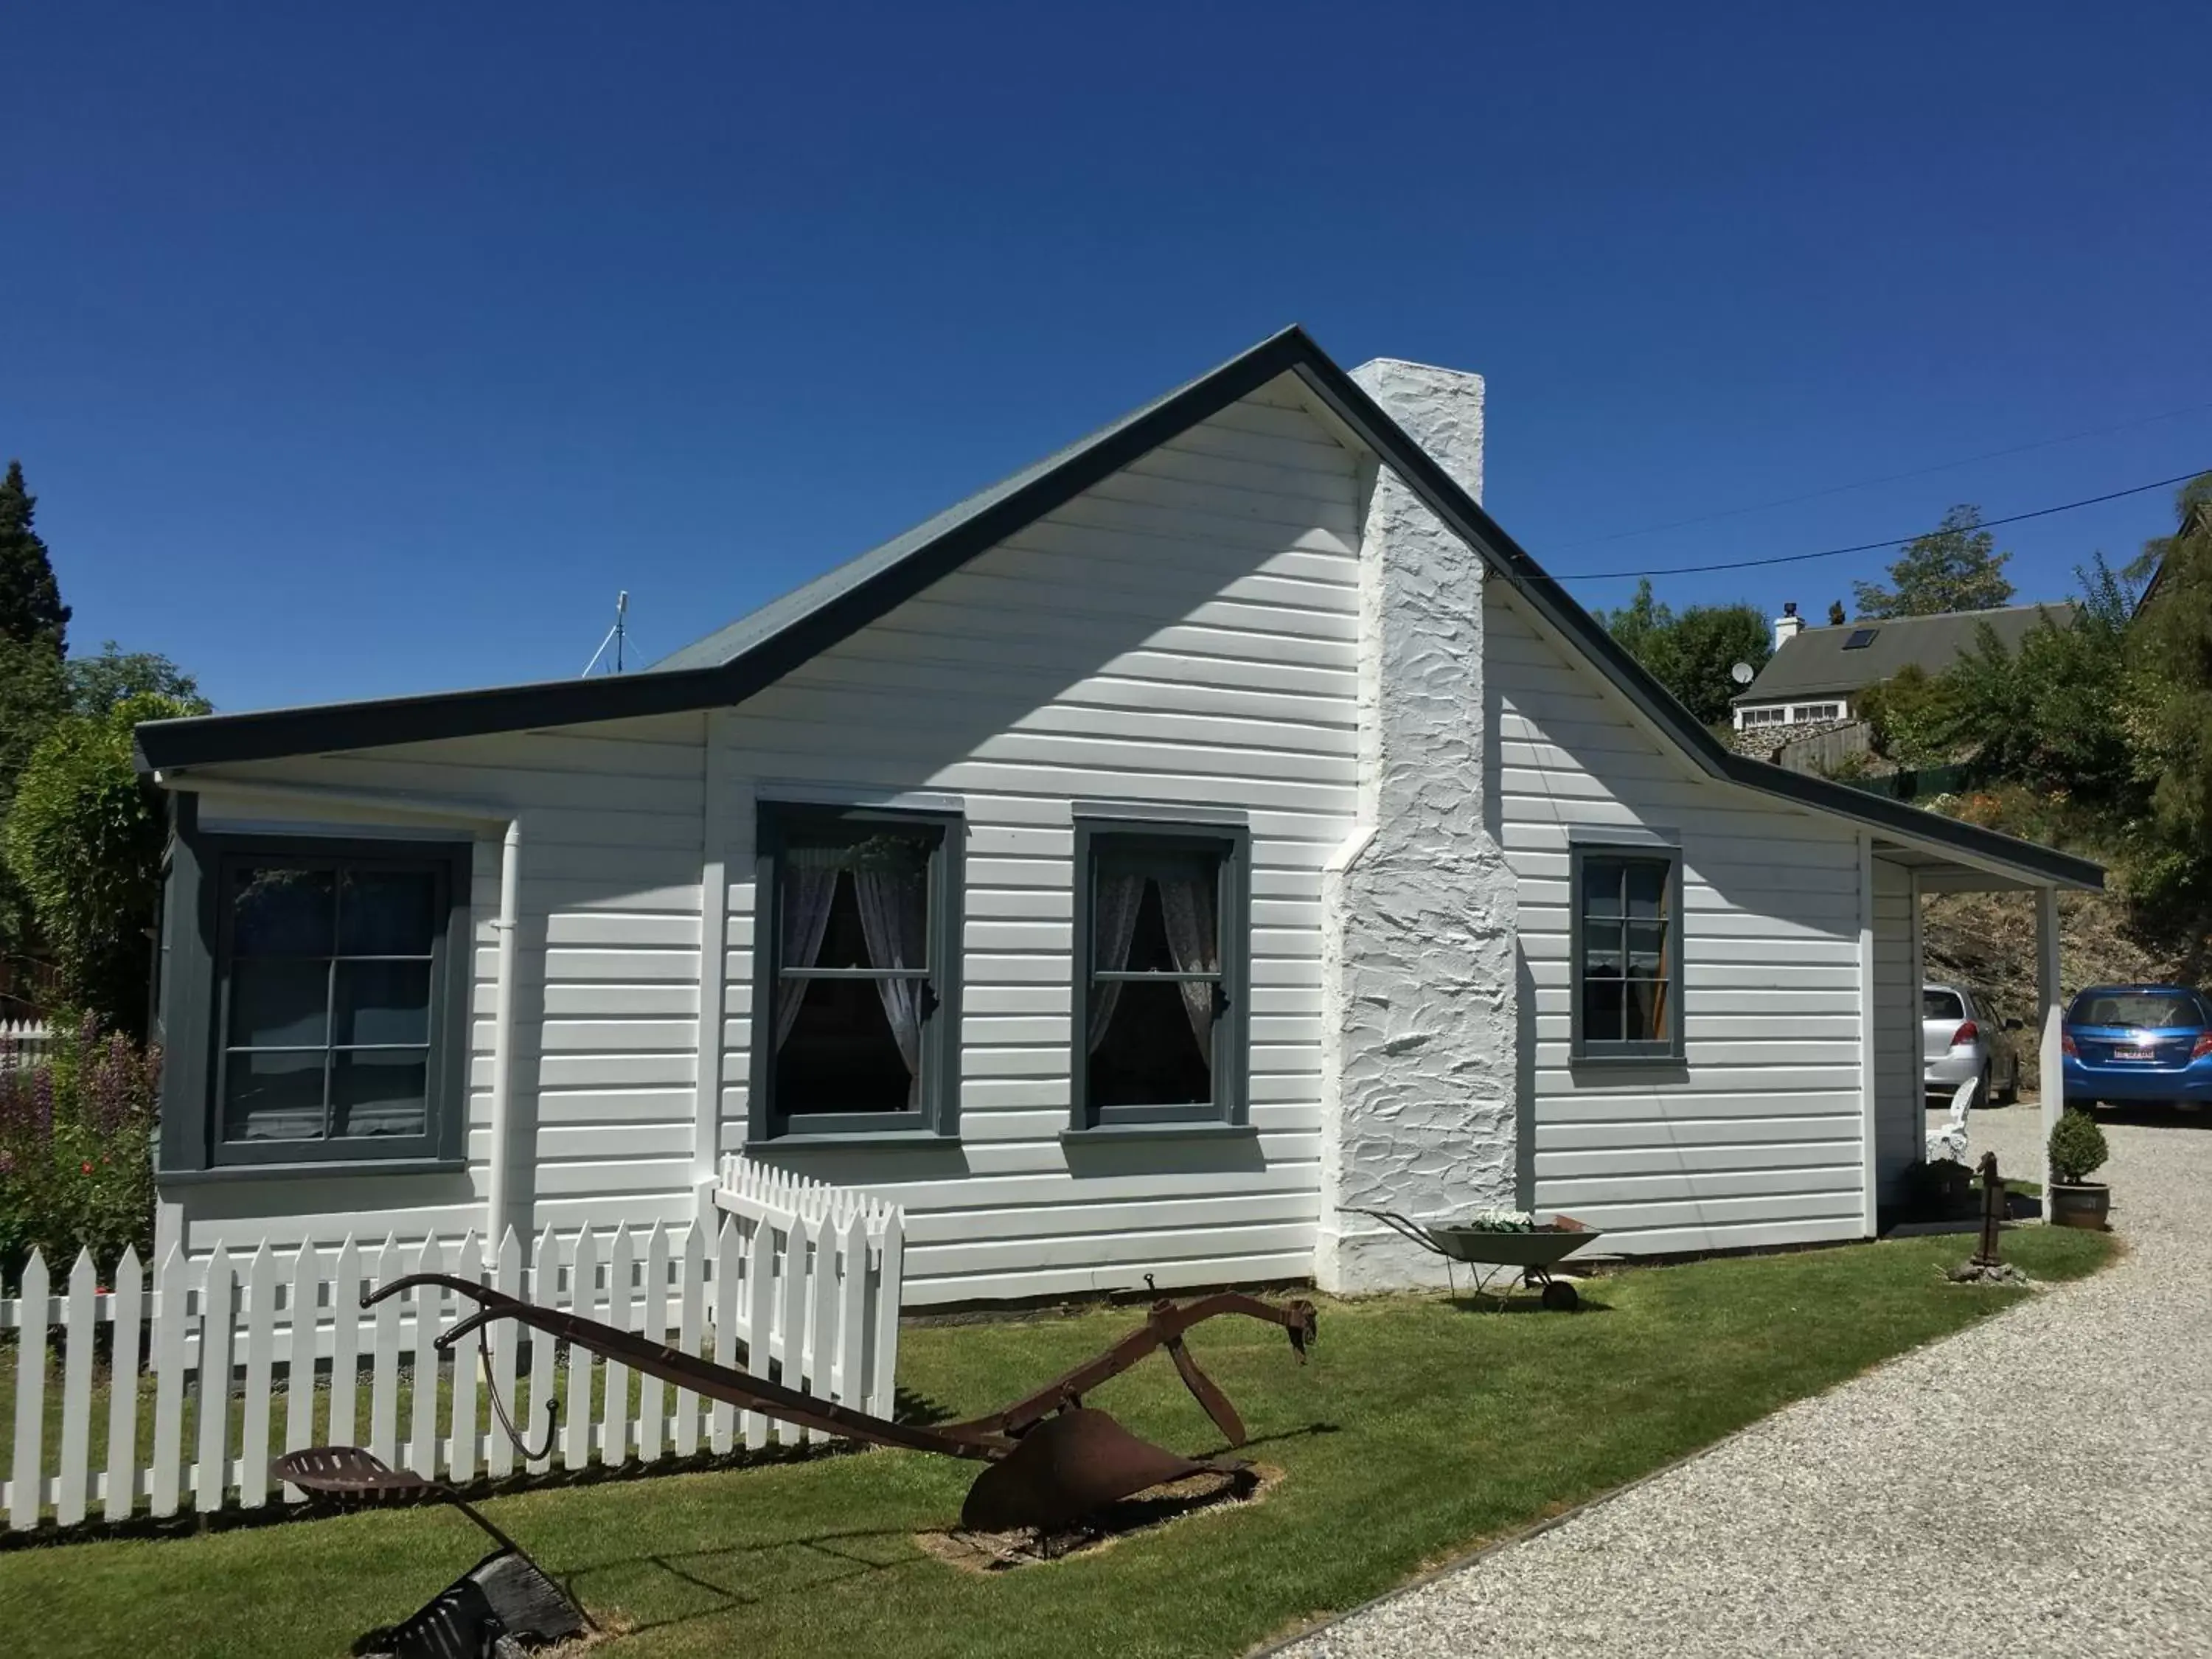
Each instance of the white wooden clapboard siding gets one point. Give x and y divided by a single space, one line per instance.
1758 1140
606 1052
1183 633
1900 1125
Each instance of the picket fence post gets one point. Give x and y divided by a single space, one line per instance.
123 1390
30 1397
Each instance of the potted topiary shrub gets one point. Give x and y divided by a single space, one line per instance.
2078 1152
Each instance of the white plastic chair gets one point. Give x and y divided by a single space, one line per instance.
1949 1142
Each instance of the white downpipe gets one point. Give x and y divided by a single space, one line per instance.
714 962
2051 1060
1869 1058
508 926
502 1037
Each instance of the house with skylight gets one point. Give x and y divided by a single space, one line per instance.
1817 675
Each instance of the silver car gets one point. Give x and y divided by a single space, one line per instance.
1959 1042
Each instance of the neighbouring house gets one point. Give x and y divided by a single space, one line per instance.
1816 674
1218 824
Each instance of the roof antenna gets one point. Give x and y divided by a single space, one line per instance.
616 636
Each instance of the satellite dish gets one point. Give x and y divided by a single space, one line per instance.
1742 674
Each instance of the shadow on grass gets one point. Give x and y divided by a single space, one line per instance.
842 1554
1496 1302
909 1406
1311 1430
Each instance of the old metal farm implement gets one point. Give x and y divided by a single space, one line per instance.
1050 1460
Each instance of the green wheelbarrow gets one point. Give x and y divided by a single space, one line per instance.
1529 1253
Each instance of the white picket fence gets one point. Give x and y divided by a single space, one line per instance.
248 1357
24 1041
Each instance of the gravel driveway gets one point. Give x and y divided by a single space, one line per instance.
1908 1512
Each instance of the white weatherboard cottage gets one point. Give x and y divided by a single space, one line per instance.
1218 823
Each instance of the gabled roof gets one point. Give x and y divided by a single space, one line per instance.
1822 661
732 665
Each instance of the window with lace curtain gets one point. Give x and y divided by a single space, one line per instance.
855 947
1161 929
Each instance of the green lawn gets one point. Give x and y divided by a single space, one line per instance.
1419 1429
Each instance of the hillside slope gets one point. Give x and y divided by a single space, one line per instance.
1986 942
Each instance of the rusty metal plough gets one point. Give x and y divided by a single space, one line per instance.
1050 1459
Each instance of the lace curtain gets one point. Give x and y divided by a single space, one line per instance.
809 889
1187 907
1113 924
892 897
894 902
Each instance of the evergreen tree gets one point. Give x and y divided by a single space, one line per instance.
31 608
1954 566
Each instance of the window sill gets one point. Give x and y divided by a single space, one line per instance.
853 1138
1629 1062
335 1168
1105 1131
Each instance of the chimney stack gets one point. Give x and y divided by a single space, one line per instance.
1788 625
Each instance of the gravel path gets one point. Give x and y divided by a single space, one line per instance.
1908 1512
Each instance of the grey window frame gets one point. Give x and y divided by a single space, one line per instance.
937 1118
1673 1049
1231 1108
194 970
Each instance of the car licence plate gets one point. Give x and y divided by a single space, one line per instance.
2134 1054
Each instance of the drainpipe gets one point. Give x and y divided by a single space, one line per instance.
455 810
502 1040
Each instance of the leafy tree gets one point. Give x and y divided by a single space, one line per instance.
2170 662
1690 654
2053 714
1954 566
84 841
97 684
31 605
1912 717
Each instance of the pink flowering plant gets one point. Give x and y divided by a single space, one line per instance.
77 1149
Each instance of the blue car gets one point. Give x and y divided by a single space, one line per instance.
2138 1043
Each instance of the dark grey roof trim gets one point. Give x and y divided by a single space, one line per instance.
814 618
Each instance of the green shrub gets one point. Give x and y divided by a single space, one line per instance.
84 840
76 1151
2077 1148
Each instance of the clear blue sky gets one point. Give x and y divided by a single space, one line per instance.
358 350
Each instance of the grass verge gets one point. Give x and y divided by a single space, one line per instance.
1421 1429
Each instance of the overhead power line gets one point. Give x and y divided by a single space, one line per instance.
1871 547
1889 477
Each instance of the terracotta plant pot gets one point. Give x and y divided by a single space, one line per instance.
2082 1205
